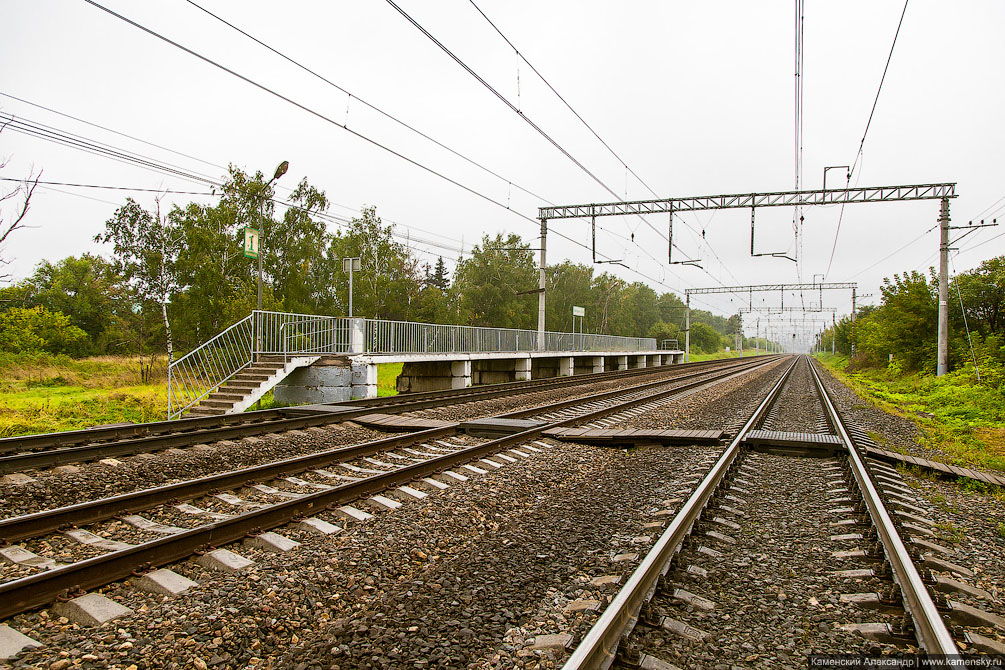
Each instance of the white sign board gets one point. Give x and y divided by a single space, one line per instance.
251 242
355 264
578 311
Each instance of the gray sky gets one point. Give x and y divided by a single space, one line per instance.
696 97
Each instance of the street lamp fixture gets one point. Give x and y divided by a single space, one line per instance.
280 171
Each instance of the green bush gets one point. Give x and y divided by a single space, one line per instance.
36 329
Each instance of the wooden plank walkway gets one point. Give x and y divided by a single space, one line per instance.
396 422
934 466
634 436
790 439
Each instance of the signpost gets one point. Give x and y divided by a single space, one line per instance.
251 237
580 312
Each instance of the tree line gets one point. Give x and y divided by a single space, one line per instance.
905 323
175 277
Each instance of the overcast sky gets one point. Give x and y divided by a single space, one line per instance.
696 97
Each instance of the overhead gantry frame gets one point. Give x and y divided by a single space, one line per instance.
825 196
751 289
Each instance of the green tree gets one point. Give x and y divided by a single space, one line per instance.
26 329
661 330
388 282
146 247
487 284
84 288
704 338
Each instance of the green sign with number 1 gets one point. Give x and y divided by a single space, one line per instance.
251 242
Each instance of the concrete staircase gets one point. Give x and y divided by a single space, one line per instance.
248 386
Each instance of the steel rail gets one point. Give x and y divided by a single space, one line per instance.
598 648
38 523
931 631
85 436
27 526
237 429
41 589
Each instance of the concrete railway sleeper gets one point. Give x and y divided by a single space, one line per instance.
203 430
107 434
737 572
439 454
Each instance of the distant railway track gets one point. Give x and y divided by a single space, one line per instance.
638 626
304 486
53 449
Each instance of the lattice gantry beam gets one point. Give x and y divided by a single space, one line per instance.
830 196
758 288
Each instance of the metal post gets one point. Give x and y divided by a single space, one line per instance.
350 289
541 285
687 329
853 295
834 333
757 339
739 335
942 366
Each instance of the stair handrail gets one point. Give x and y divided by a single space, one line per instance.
201 371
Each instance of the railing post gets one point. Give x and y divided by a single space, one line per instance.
357 327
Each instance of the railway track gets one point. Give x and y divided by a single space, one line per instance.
22 453
760 564
202 514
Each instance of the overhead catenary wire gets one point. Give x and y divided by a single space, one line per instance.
354 96
108 187
355 133
516 110
540 76
868 124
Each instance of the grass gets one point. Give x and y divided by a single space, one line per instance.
41 393
720 355
956 416
387 378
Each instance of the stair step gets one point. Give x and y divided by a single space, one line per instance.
241 384
249 376
206 411
224 395
220 404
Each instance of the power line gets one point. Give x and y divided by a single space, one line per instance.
514 109
110 130
861 144
331 121
880 89
115 188
564 101
499 95
369 105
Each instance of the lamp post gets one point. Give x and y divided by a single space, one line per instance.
280 171
351 264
